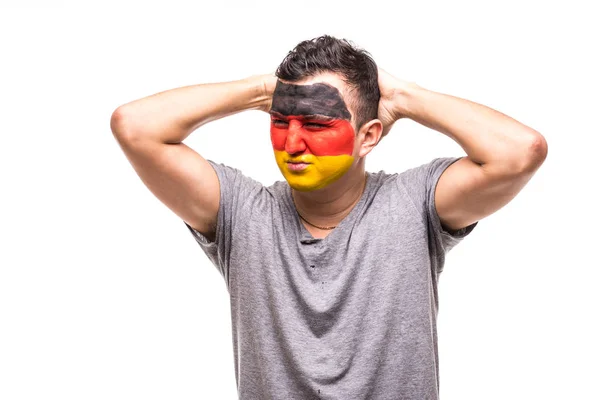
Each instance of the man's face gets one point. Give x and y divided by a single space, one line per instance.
311 133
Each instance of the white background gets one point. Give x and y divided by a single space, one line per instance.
104 294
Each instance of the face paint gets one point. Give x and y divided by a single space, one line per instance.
311 134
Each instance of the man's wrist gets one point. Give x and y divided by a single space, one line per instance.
264 86
405 99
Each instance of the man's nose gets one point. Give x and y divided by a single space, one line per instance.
294 142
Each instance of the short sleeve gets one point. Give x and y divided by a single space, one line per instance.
420 184
236 190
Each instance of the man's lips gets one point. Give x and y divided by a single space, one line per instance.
297 165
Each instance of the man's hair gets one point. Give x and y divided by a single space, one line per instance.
329 54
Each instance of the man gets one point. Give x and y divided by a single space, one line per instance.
332 273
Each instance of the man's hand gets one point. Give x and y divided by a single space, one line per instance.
269 81
392 102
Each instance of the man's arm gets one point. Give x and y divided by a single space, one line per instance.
502 153
150 132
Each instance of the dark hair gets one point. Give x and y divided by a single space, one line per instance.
328 54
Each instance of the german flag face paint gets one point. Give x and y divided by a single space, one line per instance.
311 133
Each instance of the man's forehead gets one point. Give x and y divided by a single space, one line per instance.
314 99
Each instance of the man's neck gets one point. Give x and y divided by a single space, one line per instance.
328 206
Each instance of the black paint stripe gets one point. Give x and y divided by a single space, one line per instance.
319 99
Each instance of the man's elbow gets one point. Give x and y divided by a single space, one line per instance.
523 159
120 125
535 154
117 121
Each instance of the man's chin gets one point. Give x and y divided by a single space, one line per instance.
304 187
302 184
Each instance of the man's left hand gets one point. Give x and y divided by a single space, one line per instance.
394 99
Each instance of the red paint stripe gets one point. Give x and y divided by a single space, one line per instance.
335 139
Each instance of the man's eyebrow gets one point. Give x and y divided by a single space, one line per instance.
314 117
276 114
318 117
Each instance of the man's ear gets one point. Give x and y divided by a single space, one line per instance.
369 135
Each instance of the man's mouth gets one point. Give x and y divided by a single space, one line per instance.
296 165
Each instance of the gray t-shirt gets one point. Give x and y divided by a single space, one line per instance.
350 316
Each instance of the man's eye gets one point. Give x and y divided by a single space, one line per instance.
315 125
279 122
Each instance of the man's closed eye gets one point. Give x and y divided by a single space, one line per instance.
279 123
312 125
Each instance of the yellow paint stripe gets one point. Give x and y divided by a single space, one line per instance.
322 171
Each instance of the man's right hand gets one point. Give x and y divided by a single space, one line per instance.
269 81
